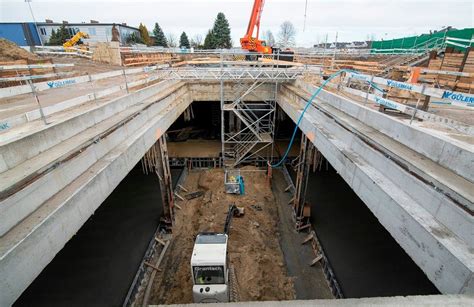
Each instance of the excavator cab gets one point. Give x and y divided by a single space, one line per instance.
209 268
209 263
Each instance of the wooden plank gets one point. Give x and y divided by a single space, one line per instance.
152 266
308 238
304 227
160 241
316 260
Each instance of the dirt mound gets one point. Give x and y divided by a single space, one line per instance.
9 51
254 249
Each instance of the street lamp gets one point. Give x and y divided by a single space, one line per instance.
34 21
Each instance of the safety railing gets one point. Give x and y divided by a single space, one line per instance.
377 89
93 93
60 50
435 43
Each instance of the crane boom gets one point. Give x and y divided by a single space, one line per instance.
254 21
250 42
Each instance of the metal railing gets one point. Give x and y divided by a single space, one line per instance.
435 43
232 73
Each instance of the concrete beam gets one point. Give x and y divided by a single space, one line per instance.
28 247
444 257
452 204
419 300
448 152
38 179
210 91
25 142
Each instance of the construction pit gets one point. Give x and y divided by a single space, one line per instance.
103 182
254 249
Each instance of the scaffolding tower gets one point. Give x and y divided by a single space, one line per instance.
247 120
248 126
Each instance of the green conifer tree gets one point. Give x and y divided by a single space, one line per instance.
184 41
160 38
209 41
221 32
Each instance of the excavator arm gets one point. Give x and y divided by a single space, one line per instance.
71 42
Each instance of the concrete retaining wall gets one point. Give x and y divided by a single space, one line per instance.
86 148
444 258
62 215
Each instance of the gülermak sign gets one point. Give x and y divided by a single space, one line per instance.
456 97
55 84
400 85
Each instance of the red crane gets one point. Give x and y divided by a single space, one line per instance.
250 42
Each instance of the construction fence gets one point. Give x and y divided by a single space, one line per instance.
458 39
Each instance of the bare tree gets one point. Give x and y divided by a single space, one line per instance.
172 40
269 38
370 37
196 41
287 35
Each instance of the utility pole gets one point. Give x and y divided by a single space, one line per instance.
325 43
305 10
34 21
335 50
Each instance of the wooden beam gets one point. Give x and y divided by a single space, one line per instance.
316 260
152 266
160 241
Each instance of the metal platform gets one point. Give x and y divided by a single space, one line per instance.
232 73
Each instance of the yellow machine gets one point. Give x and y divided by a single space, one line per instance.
76 38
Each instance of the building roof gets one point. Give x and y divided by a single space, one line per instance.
84 24
73 24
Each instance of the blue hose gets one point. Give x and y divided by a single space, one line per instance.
308 103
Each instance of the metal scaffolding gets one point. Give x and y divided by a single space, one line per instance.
233 73
247 125
248 121
247 129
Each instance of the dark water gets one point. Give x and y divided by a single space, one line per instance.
366 260
97 266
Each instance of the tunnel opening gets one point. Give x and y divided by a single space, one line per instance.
111 245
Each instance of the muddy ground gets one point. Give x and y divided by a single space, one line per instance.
254 248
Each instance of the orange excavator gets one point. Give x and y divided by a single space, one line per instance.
250 42
253 44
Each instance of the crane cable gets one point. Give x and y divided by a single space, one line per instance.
305 10
308 103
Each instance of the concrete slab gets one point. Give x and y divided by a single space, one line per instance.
444 257
429 300
27 248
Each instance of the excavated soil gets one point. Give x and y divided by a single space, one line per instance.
9 51
254 249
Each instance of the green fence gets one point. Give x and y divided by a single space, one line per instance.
421 42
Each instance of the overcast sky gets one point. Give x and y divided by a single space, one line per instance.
352 19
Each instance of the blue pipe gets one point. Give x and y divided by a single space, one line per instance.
308 103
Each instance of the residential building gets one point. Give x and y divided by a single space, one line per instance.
98 32
29 34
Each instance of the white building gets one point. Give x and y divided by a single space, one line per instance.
98 32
